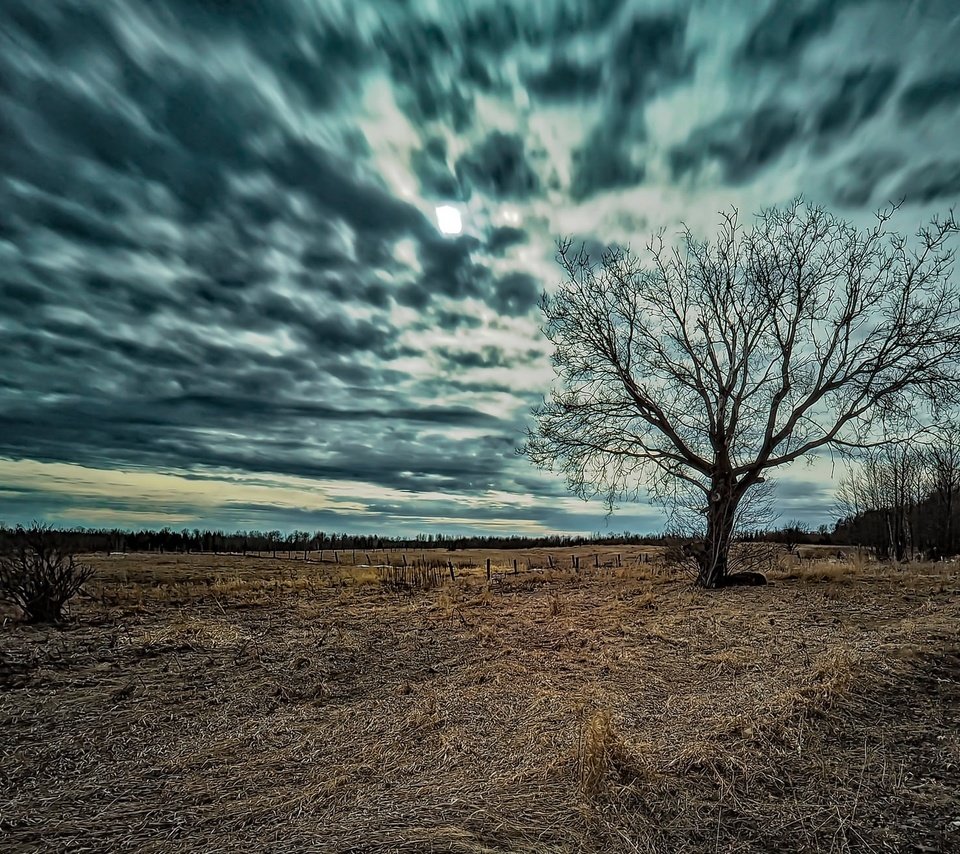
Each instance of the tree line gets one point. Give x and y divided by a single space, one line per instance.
902 500
90 540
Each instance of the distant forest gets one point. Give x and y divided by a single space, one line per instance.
896 506
903 500
909 521
278 542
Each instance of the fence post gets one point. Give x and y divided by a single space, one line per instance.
488 569
596 561
451 571
514 566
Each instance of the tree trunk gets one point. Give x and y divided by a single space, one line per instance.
713 558
900 535
950 549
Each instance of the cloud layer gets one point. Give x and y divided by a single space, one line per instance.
220 261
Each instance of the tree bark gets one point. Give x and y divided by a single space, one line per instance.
714 557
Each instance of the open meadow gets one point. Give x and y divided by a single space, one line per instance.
230 703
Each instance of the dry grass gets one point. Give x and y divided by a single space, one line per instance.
204 703
607 764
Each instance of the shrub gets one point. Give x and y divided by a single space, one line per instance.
39 574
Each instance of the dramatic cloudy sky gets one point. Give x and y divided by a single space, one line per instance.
224 298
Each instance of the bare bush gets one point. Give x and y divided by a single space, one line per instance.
758 558
420 575
749 563
39 574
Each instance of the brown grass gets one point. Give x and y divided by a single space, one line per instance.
217 703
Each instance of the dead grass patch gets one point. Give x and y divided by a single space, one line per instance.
604 760
263 705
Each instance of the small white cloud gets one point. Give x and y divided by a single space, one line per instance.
507 215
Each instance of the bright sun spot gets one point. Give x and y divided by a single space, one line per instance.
448 219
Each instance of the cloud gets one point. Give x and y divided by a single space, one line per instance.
427 94
516 293
500 25
331 183
565 79
648 55
433 171
217 226
741 143
499 166
935 92
603 164
487 357
449 269
503 237
855 183
931 181
787 28
859 96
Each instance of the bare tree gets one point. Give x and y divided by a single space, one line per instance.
888 483
943 464
694 370
902 499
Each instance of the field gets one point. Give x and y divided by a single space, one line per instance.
229 703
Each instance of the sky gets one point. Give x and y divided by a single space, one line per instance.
225 299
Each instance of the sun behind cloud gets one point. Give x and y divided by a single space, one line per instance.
449 219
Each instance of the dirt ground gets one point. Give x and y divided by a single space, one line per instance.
227 703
